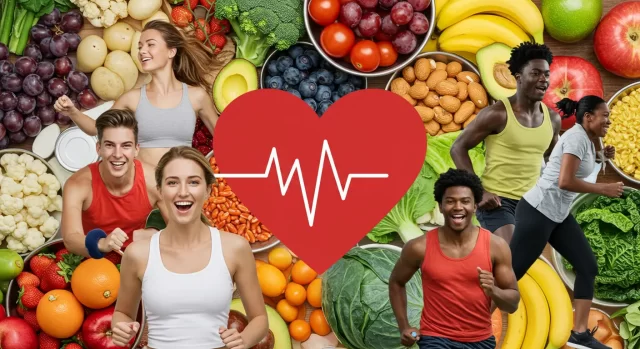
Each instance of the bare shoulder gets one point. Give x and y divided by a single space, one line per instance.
415 248
499 247
129 99
149 174
493 115
556 119
80 181
137 252
234 243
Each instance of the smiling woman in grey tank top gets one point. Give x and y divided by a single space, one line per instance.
167 107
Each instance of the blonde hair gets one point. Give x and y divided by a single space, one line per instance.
114 118
192 60
188 153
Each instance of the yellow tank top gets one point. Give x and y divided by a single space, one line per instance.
514 156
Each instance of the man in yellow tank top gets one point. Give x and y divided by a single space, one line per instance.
519 132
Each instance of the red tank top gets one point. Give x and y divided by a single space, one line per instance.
455 307
108 212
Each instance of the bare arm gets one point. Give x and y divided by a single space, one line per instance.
408 264
88 124
506 294
488 121
207 111
556 122
73 197
568 180
130 285
246 277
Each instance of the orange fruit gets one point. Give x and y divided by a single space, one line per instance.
95 283
295 294
260 263
59 314
302 312
299 330
318 322
314 293
496 324
287 311
302 273
272 281
280 258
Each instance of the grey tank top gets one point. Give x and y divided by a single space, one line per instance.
165 127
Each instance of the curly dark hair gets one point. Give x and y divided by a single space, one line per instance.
458 178
525 52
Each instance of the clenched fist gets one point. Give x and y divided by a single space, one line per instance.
123 332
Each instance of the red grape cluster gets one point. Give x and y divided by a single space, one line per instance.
30 86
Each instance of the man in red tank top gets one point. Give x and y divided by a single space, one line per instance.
464 268
115 194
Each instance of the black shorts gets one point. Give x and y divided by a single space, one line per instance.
445 343
497 218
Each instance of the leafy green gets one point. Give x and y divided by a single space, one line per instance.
17 19
355 299
612 227
438 153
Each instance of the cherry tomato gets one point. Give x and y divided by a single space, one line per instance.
324 12
365 56
337 40
388 54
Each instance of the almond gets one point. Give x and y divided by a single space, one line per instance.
422 69
452 80
419 90
400 86
446 88
451 127
420 104
409 74
432 127
435 77
440 132
462 91
464 112
426 113
409 99
471 118
467 76
441 66
453 69
432 99
478 95
442 116
450 103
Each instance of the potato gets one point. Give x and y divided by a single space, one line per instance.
143 9
160 15
122 64
91 53
134 50
107 85
119 36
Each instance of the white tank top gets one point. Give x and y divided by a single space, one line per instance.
185 311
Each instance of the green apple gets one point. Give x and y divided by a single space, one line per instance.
570 21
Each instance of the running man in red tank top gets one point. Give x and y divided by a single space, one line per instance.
463 267
115 194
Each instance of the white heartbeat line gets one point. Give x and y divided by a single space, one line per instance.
326 153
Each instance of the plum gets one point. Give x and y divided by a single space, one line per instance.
63 66
32 125
6 68
47 115
25 66
39 32
8 100
59 47
77 81
72 21
33 51
32 85
87 99
52 18
73 39
13 121
26 104
57 87
44 99
44 47
62 119
45 70
4 52
17 137
4 142
3 131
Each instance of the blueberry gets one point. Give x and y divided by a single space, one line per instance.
313 76
325 77
323 93
294 92
285 87
275 82
357 81
312 103
308 88
326 65
346 88
292 76
322 107
272 68
304 74
314 56
283 63
295 51
340 77
335 96
303 62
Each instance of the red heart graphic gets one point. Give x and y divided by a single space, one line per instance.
367 132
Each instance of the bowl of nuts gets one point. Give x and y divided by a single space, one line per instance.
622 133
445 89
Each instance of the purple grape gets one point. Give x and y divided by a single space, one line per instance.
26 104
17 137
4 143
39 32
4 52
58 46
73 39
387 4
52 18
45 70
32 125
62 119
87 99
419 5
77 81
63 66
57 87
33 51
32 85
11 82
44 99
25 66
44 48
71 22
419 23
368 4
1 115
350 14
388 27
8 101
3 131
6 68
369 24
404 42
401 13
47 115
13 121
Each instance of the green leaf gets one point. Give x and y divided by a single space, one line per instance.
624 330
633 318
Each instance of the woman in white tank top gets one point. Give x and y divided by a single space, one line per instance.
185 273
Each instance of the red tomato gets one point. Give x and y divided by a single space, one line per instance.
388 54
365 56
337 40
324 12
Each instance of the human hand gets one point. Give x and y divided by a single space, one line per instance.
113 241
609 151
613 190
489 201
409 336
65 106
123 332
231 338
486 281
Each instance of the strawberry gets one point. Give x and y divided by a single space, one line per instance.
190 4
29 296
40 262
200 138
26 278
208 3
217 42
20 309
31 319
48 342
204 149
201 29
181 16
113 257
3 313
72 346
219 26
58 275
61 253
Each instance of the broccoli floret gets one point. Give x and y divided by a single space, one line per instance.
282 37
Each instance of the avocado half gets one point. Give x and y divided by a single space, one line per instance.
494 70
277 325
237 77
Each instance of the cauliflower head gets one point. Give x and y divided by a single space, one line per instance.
30 184
50 184
50 227
16 245
10 205
7 225
35 222
35 204
21 231
10 187
33 239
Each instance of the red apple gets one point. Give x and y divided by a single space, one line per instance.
16 333
616 41
572 77
96 330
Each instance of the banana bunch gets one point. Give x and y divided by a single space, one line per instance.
469 25
544 318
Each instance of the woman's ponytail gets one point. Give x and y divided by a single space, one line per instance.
567 107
